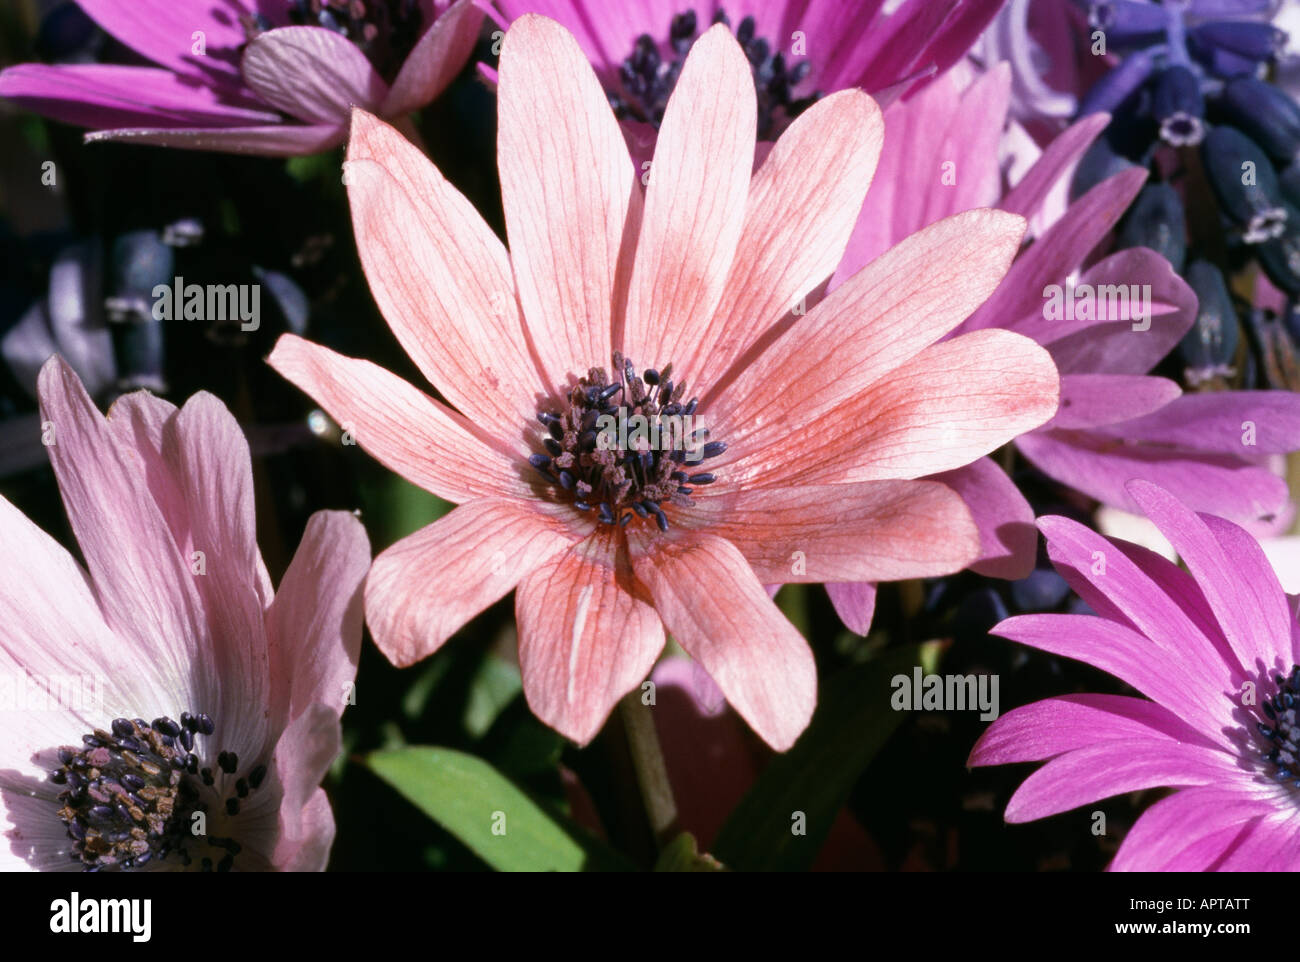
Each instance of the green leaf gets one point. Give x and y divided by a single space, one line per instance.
470 798
494 686
682 854
852 721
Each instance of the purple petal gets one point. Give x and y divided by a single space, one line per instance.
1113 768
1059 251
1100 464
1269 844
1089 400
1045 729
854 603
1164 837
106 95
1162 676
164 31
1113 342
435 60
277 140
1060 157
312 73
1243 423
1235 577
1008 538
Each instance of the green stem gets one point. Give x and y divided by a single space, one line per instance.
651 772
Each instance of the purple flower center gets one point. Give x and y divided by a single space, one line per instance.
131 796
624 446
647 79
1283 729
385 30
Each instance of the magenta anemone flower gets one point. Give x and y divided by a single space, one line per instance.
274 77
798 50
1216 651
813 437
1116 421
163 707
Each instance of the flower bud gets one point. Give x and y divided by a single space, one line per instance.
1245 183
1209 348
1266 114
1156 221
1179 107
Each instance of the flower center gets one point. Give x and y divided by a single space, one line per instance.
1283 729
623 447
385 30
647 79
133 794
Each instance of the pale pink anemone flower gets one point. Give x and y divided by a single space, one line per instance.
272 77
1216 651
167 678
815 433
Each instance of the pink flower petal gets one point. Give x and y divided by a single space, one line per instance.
311 73
694 204
435 60
442 280
302 757
588 634
801 207
880 531
569 194
424 588
1270 844
144 584
881 318
314 623
400 426
855 603
1235 576
709 598
1008 538
952 403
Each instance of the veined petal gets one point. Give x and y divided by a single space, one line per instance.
442 280
878 531
855 603
1008 538
801 208
952 403
314 623
1174 824
884 315
715 607
588 634
401 427
426 586
568 189
694 203
164 32
1092 400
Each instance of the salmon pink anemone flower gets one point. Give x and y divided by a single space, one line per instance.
163 707
1215 650
813 433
